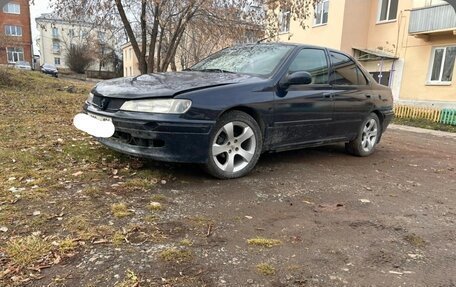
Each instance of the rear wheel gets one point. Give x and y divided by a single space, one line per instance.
367 139
235 146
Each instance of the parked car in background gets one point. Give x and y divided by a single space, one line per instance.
50 70
23 65
238 103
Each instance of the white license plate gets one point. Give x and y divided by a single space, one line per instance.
100 118
97 126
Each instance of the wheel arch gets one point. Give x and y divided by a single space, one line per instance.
251 112
380 117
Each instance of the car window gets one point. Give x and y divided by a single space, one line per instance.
312 61
345 71
251 59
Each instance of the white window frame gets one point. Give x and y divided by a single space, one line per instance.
55 61
10 28
55 32
320 5
56 47
16 53
431 66
284 15
8 8
379 12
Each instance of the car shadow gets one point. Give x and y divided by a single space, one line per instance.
266 161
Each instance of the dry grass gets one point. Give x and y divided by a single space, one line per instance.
186 242
155 206
24 251
120 210
131 279
264 242
265 269
415 240
175 255
67 245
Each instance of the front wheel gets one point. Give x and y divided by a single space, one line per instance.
235 146
367 139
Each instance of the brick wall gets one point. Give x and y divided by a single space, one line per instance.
22 20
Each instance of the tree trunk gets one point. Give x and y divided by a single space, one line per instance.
140 55
153 40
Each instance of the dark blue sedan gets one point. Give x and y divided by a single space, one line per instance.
227 110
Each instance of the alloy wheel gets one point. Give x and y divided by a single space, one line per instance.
234 147
369 136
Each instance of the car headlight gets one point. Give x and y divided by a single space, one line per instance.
90 98
161 106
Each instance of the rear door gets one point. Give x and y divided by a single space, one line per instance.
303 113
352 95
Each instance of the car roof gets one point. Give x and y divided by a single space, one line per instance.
297 45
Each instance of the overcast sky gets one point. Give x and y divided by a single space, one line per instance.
40 7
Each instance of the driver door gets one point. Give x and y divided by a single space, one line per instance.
303 113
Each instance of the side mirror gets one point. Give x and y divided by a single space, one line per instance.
296 78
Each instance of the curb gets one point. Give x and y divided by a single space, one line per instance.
422 131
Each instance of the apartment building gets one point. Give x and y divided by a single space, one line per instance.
15 32
409 45
57 36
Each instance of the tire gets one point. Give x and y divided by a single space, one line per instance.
368 137
235 146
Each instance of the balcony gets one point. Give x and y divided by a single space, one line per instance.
432 20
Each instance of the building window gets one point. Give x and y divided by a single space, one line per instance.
321 12
102 37
55 32
57 61
12 8
15 54
284 21
387 10
13 30
55 47
442 65
71 33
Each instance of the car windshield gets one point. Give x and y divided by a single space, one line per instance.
49 66
254 59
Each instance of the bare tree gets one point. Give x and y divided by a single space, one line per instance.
156 28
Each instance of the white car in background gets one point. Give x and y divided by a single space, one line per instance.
23 65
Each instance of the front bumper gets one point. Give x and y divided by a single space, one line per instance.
159 137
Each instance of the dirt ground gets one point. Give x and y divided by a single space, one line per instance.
387 220
313 217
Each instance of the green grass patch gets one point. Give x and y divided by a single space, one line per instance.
425 124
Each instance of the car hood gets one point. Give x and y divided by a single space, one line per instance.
166 84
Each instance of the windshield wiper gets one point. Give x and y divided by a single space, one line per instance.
212 71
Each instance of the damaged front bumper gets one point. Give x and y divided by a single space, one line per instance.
161 137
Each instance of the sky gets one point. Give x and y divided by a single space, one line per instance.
40 7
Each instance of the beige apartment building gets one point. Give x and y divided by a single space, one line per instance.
56 36
409 45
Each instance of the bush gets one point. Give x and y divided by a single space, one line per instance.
78 58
